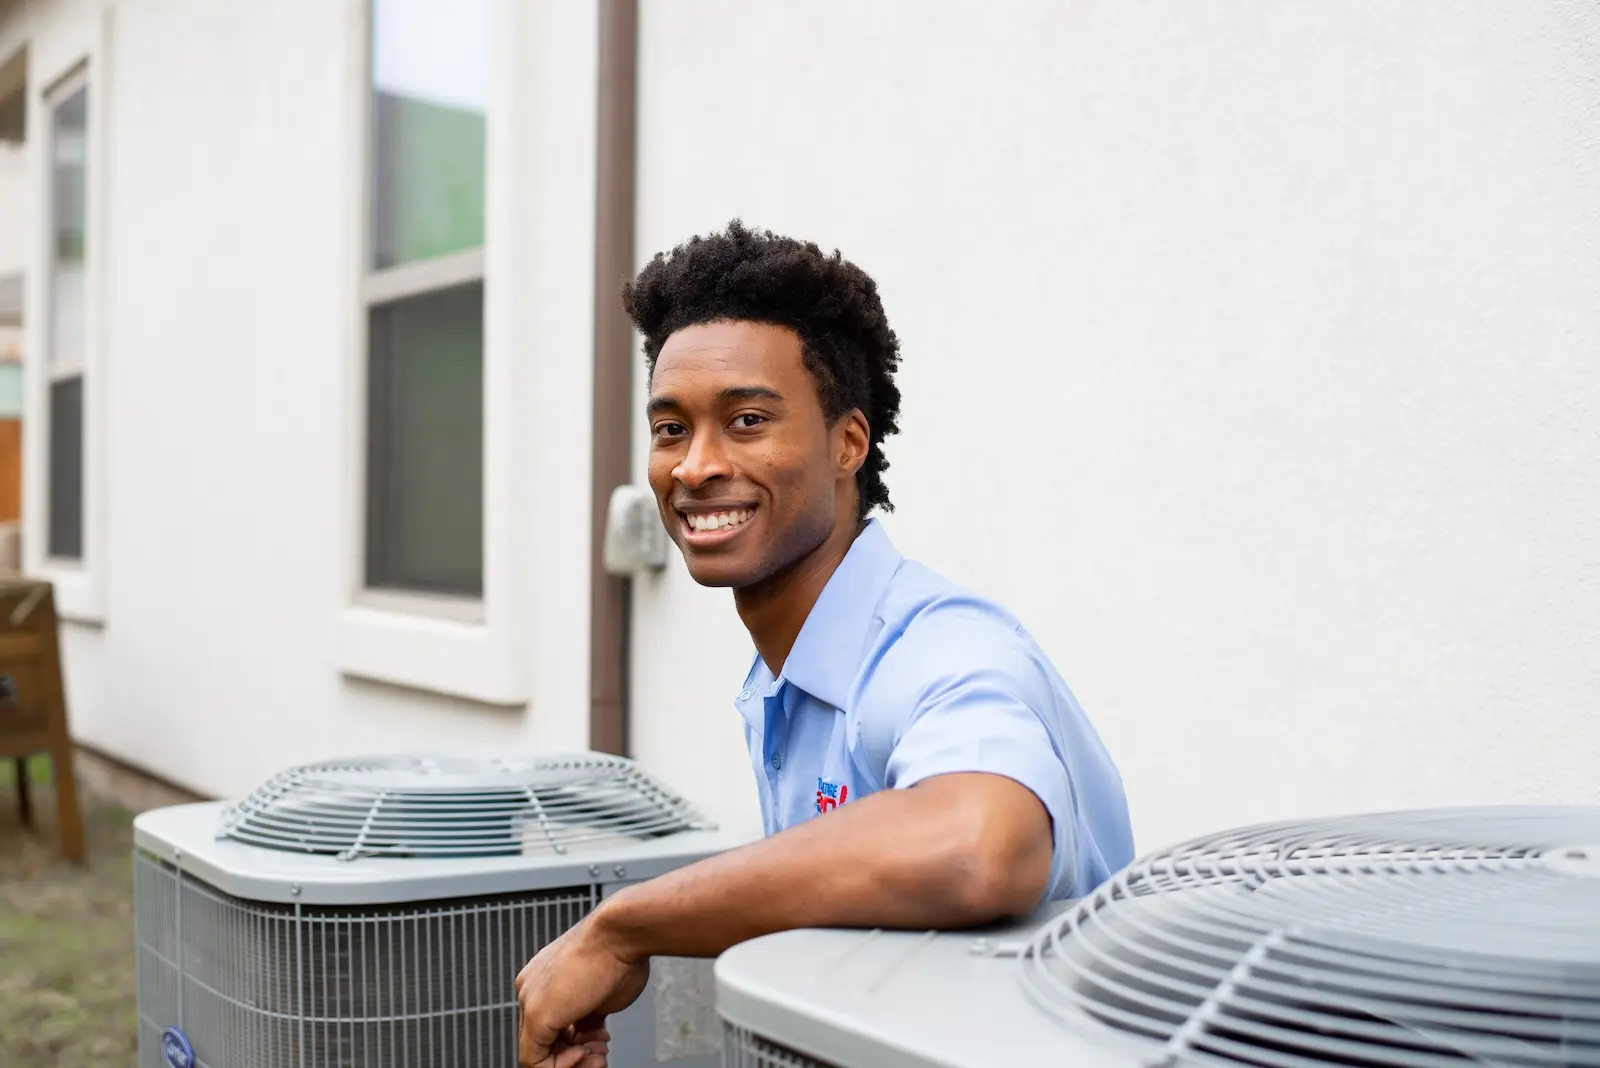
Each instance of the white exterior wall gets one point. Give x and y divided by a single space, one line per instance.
13 206
227 267
1249 355
13 231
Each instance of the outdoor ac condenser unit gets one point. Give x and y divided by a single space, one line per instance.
1426 939
375 911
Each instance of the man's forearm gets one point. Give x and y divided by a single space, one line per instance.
952 852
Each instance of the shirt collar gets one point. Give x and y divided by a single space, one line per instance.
827 652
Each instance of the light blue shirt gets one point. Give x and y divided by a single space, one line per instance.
899 675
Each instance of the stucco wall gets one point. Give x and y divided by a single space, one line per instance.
1248 355
13 206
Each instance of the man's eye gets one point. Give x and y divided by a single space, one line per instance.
748 420
669 430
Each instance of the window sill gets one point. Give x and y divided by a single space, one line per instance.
439 645
76 593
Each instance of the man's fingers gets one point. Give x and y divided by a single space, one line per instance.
570 1048
591 1055
577 1057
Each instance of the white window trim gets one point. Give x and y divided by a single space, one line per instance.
464 647
79 584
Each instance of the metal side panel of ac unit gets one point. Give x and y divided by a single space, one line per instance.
247 984
250 984
891 999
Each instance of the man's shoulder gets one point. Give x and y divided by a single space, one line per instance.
936 631
942 646
923 605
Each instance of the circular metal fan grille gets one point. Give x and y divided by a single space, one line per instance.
1426 938
458 806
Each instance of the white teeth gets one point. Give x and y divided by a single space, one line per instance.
718 520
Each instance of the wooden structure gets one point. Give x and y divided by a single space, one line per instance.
33 706
10 469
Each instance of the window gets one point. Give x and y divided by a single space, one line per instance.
455 109
68 317
423 287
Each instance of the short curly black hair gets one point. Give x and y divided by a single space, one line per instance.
833 305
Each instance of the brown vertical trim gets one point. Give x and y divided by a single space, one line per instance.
613 366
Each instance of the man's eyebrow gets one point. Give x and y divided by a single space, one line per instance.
667 402
749 393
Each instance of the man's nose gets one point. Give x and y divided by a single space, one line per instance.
706 459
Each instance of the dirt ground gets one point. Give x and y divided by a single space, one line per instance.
67 981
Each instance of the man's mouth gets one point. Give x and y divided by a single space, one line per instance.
703 528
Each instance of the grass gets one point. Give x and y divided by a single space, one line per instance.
67 988
38 772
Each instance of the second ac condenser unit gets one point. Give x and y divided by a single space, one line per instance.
375 911
1453 938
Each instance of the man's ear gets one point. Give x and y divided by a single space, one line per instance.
852 438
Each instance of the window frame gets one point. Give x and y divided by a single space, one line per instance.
79 582
469 647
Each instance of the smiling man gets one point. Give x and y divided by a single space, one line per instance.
919 761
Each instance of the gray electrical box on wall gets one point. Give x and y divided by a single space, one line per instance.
635 540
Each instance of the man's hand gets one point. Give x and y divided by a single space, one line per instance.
564 995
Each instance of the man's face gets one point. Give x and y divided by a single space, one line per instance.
747 473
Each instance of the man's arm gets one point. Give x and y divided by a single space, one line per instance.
955 850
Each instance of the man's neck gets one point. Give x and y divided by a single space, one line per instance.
775 609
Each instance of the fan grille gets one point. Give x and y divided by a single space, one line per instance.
458 806
1425 938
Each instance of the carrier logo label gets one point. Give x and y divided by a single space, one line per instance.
176 1049
830 795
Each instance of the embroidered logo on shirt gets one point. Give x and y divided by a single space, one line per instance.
830 795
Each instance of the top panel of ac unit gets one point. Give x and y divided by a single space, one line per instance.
408 827
895 999
1408 939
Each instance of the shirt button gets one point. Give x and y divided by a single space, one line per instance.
777 761
745 696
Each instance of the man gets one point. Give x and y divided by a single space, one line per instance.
920 763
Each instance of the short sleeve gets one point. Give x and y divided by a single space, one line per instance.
969 697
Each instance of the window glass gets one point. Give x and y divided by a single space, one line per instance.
429 87
425 442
